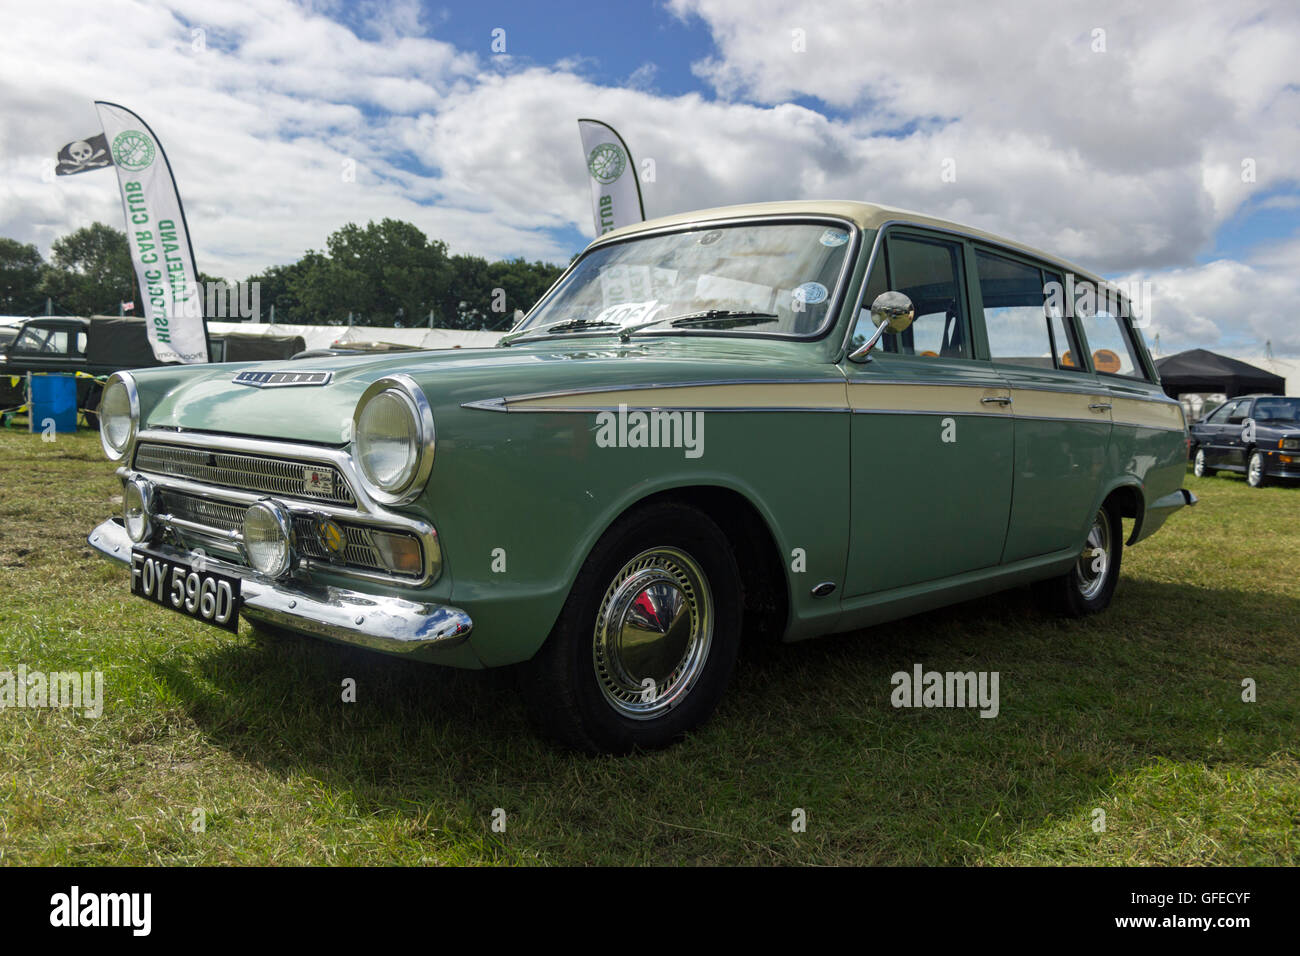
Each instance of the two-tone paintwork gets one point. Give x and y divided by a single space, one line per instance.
842 462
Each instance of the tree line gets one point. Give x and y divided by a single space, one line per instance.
382 274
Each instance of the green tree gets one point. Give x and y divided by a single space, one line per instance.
383 273
276 286
20 277
90 272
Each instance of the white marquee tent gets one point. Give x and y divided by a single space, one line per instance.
323 336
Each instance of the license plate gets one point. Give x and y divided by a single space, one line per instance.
202 594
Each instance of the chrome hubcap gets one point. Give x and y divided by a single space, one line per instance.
1199 469
1094 561
1256 469
653 632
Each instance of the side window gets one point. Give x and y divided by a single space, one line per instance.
79 346
1112 350
1065 344
1024 326
928 271
1220 415
31 340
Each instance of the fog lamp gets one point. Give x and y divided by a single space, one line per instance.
268 538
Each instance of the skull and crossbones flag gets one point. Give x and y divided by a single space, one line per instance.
83 155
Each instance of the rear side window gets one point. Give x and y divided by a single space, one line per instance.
928 271
1024 326
1113 352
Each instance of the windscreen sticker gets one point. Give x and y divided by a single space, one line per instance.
834 237
625 313
810 293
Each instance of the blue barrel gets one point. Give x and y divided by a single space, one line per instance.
53 398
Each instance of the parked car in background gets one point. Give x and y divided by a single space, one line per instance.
792 418
96 347
1256 435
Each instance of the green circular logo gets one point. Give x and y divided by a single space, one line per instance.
606 163
133 150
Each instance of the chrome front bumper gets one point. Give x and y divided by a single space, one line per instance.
378 622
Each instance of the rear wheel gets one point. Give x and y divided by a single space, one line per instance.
646 642
1089 586
1199 468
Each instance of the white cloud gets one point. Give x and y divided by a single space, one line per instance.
1128 160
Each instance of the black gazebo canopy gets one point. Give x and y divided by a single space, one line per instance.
1199 370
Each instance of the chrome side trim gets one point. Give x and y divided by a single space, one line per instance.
502 403
389 624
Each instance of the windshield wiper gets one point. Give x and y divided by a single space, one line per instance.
570 325
721 318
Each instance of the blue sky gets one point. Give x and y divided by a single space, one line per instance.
1109 133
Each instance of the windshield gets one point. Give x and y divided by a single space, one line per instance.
756 278
1277 409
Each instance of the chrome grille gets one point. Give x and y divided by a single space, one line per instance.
359 551
245 472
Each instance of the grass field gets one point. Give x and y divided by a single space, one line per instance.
1137 712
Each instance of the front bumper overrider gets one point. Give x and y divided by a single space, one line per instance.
392 625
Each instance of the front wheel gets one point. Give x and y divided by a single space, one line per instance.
1199 468
1255 476
646 642
1088 587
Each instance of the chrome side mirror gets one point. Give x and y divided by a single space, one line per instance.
892 312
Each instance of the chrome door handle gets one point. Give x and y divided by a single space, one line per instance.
1100 406
996 400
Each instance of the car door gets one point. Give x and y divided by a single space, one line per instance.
1062 413
1205 433
931 429
1234 435
1220 434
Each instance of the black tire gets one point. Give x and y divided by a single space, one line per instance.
1199 468
1256 477
580 687
1079 591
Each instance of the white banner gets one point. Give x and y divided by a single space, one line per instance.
615 186
159 238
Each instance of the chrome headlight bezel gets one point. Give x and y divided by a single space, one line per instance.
280 520
143 489
125 380
412 397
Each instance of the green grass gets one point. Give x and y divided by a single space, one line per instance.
1137 712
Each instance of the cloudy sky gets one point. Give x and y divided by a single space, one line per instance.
1158 141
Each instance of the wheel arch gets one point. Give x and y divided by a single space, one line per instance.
1130 500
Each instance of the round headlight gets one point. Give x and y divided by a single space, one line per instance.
119 414
137 505
393 435
268 538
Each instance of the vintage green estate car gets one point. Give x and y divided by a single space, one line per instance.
794 418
